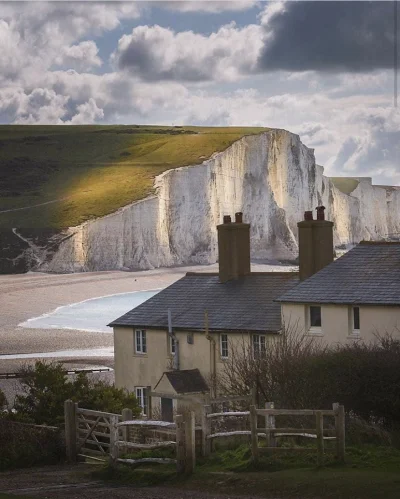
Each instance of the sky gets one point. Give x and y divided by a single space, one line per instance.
323 70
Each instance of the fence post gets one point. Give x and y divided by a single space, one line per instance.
180 444
190 438
340 431
205 430
70 430
114 437
254 436
319 419
126 416
269 425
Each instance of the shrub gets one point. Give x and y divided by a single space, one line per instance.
24 445
298 372
46 387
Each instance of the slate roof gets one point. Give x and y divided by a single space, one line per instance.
246 304
368 274
187 381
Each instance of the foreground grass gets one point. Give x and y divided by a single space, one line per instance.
369 473
12 496
91 171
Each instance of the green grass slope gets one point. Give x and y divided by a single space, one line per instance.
345 184
69 174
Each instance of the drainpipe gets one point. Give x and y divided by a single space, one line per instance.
173 336
213 359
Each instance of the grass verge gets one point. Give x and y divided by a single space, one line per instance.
369 473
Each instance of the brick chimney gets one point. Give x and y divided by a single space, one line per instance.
233 248
315 243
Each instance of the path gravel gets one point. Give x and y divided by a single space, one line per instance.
62 482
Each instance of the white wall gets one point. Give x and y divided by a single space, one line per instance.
336 321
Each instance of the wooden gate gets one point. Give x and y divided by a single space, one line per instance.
93 430
88 432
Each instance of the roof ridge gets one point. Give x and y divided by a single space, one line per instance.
379 243
271 272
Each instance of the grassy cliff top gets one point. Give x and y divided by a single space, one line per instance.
76 173
345 184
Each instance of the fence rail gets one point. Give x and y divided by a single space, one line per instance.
319 433
102 435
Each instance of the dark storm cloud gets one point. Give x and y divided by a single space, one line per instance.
330 36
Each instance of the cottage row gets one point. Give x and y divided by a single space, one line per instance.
178 340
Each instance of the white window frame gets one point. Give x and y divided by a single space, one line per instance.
354 333
172 345
224 346
141 395
315 330
260 341
140 342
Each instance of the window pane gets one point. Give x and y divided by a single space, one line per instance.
256 345
138 345
262 344
356 318
172 345
144 346
315 316
144 405
224 345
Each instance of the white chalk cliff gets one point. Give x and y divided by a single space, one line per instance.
272 178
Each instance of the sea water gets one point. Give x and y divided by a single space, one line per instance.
90 315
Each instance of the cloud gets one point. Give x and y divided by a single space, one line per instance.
213 6
157 53
82 56
375 150
11 58
87 113
41 106
37 34
328 36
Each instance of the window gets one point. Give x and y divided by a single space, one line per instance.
356 320
140 341
172 345
315 316
141 395
190 338
223 343
258 345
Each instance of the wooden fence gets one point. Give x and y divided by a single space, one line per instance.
101 435
318 433
184 442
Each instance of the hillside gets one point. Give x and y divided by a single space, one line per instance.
69 174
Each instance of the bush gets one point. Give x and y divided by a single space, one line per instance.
46 386
298 372
24 445
3 401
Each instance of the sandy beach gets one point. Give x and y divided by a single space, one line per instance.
25 296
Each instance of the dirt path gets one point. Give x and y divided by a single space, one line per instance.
35 205
73 482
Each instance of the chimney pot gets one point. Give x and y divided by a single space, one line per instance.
320 212
227 219
239 217
308 215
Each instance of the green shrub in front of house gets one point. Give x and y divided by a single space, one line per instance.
46 386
